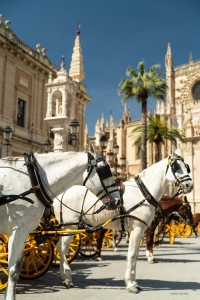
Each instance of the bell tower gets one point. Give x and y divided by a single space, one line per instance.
67 100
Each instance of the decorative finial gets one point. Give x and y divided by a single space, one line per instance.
79 26
190 58
62 63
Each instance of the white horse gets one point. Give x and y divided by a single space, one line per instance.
56 170
155 179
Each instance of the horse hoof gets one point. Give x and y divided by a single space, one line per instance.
139 288
115 249
151 262
133 290
99 259
67 283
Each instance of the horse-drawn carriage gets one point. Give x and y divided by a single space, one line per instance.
139 205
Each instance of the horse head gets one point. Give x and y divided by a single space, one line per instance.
178 171
98 176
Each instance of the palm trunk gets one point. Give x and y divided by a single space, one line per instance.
144 135
156 152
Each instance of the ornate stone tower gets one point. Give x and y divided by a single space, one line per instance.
67 100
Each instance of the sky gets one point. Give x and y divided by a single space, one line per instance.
115 35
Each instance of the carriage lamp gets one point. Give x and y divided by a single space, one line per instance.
47 146
7 136
73 133
123 160
112 158
103 143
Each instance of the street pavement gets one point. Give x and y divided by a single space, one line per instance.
175 276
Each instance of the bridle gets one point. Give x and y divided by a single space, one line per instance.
172 162
103 172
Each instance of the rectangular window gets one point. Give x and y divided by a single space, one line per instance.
21 105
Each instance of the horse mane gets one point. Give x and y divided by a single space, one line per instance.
150 168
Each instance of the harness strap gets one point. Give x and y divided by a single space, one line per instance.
36 181
146 192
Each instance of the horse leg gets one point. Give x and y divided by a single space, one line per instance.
133 251
16 245
65 271
99 234
149 245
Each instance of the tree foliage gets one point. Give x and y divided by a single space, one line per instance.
141 85
157 132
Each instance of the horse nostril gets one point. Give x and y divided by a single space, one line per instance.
187 185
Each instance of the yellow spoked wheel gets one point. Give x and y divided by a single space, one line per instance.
88 244
3 261
108 239
109 236
172 233
183 230
198 227
170 229
36 258
72 251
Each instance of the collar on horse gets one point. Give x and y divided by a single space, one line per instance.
36 181
147 195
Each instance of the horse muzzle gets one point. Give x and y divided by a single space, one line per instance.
186 187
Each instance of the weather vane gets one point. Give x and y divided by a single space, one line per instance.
62 62
79 26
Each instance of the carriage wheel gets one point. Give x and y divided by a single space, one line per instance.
88 244
198 227
3 261
184 230
71 253
36 258
171 233
109 237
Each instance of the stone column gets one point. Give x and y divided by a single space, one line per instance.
59 140
64 103
49 104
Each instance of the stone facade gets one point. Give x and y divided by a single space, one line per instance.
32 88
181 109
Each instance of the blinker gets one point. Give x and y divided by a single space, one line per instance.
104 172
187 168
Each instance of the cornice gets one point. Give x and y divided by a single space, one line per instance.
26 55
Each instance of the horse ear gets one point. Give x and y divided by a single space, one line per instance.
172 151
91 148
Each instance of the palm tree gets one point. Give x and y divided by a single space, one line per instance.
142 85
157 133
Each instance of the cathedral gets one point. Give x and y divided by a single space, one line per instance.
181 110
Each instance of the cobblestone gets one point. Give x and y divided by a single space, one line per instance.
174 277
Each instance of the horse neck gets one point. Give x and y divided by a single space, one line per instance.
60 171
171 205
155 180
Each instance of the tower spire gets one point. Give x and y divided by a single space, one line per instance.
168 57
77 67
190 58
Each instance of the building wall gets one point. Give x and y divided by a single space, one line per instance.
23 75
